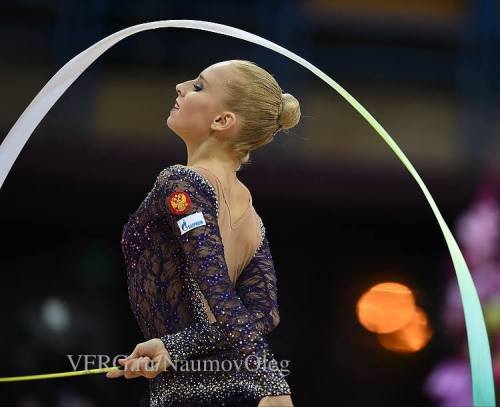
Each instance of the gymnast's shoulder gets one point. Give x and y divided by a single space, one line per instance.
181 176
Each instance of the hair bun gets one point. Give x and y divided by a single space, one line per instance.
290 111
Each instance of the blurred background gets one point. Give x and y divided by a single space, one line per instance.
428 70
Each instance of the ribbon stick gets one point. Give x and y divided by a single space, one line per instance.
479 350
59 375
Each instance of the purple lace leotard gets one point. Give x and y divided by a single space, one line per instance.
223 363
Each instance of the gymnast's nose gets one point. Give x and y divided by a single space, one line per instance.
178 89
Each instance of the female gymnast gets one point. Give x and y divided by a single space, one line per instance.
201 279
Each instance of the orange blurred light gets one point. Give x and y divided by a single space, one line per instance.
386 307
411 338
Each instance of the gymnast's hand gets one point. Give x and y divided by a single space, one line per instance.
148 359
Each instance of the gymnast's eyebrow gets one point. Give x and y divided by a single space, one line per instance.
203 78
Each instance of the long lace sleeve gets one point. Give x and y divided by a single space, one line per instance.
191 210
257 289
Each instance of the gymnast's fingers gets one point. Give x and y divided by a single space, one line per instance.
131 369
148 368
113 374
135 353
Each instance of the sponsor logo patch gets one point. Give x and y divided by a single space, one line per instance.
191 221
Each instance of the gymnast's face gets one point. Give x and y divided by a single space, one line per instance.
199 110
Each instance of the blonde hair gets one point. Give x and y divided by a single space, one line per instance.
255 96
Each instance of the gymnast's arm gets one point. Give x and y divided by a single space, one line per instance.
257 288
235 327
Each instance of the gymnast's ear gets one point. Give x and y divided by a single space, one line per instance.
224 121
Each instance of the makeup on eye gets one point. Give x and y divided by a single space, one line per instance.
203 78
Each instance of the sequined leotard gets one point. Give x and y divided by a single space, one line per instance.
173 275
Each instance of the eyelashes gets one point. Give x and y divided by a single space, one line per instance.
197 87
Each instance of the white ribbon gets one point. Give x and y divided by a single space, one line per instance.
479 350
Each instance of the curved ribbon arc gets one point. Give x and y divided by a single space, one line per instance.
479 350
